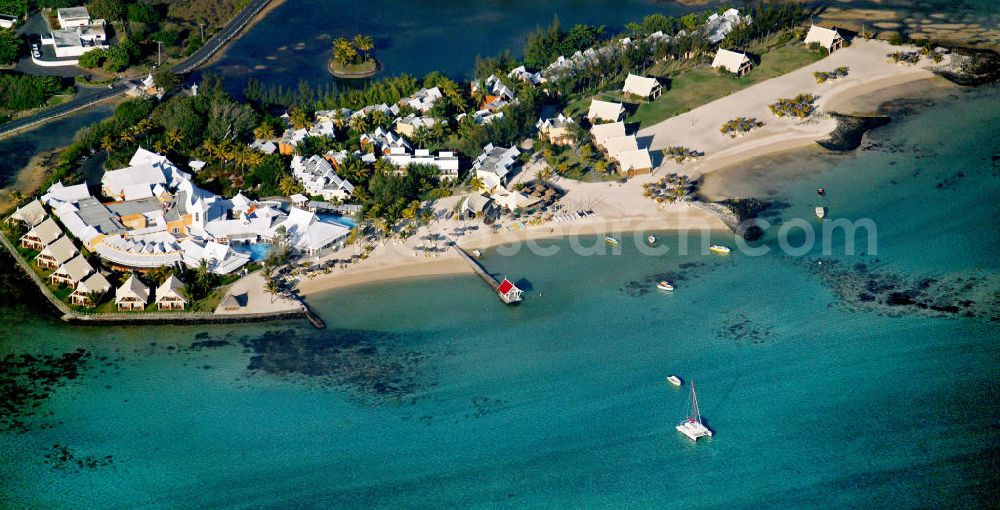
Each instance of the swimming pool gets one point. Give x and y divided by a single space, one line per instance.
346 221
257 251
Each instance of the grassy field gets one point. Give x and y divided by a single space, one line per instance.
696 87
692 88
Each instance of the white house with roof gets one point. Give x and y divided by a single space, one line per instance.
307 233
146 170
59 193
423 99
56 254
828 38
446 162
71 17
77 40
318 177
495 165
558 130
520 73
634 162
641 86
95 285
736 63
132 295
264 146
381 141
604 132
29 214
718 26
41 235
72 272
605 111
170 295
409 125
220 258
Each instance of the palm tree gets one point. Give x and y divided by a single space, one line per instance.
288 186
174 138
299 118
364 44
107 144
264 132
272 287
343 52
477 184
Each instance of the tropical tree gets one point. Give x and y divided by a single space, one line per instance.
273 288
265 131
343 52
364 44
289 186
477 184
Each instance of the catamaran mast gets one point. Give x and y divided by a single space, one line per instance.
694 403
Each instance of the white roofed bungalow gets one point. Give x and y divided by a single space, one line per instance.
634 162
95 286
307 233
446 162
828 38
736 63
220 258
604 132
558 130
29 214
41 235
57 253
59 193
494 165
318 177
132 295
72 272
605 111
646 88
170 295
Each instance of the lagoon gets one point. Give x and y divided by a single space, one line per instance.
428 393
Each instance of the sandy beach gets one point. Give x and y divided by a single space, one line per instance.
620 208
698 129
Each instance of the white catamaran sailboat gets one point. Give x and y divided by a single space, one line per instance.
692 427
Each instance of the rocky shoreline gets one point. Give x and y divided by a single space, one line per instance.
850 131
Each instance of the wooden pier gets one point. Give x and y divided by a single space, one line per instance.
506 290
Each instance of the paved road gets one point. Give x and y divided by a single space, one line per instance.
89 97
220 39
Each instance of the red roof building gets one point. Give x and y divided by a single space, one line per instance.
508 291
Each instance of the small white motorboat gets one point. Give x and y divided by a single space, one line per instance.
718 248
676 381
821 212
651 239
477 253
610 240
664 285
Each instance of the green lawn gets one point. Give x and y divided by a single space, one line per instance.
692 88
696 87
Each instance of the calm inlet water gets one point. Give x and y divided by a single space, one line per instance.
429 393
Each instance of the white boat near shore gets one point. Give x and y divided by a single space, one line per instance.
718 248
676 381
821 212
664 285
610 240
651 239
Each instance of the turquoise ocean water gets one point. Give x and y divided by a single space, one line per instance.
429 393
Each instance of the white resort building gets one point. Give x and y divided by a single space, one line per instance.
558 130
77 33
640 86
170 295
318 177
828 38
605 111
736 63
494 166
132 295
